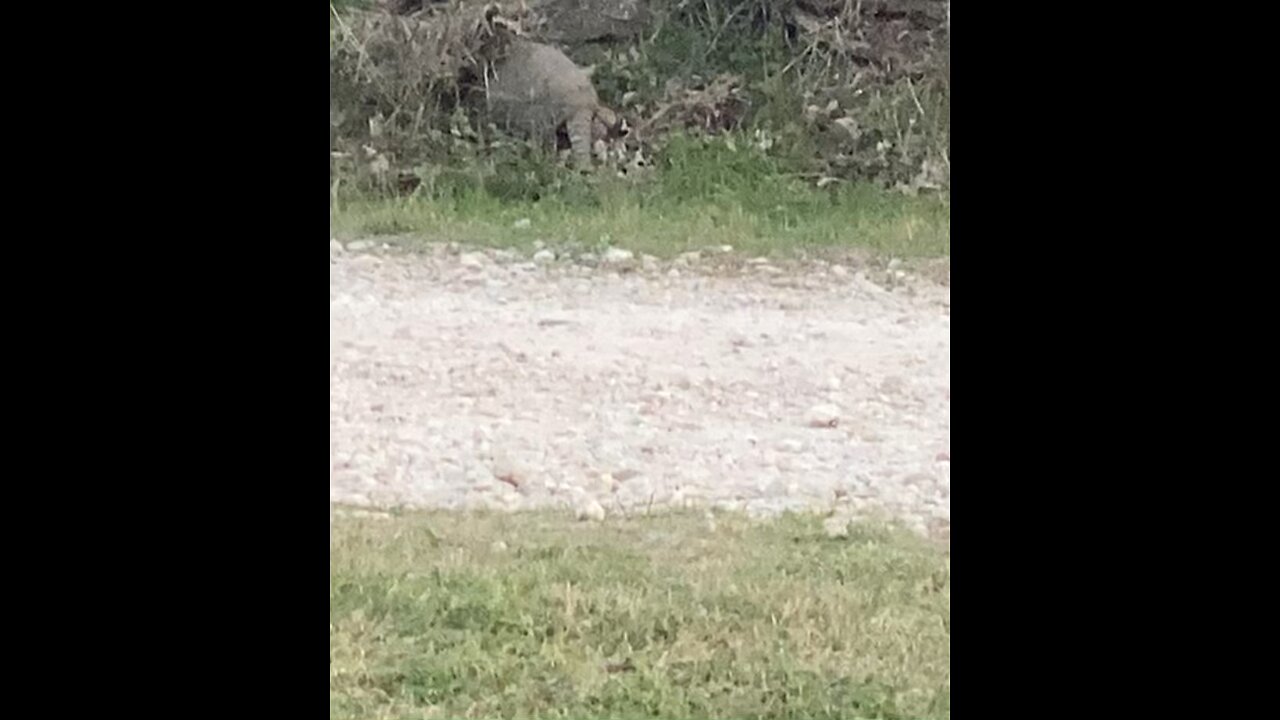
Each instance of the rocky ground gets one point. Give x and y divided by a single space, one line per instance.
616 385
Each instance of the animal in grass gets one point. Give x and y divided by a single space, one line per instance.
536 91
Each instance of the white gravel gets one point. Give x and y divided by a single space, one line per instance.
483 379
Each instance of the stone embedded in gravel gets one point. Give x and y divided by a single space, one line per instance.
618 255
837 526
589 509
790 445
544 256
839 270
893 385
823 416
359 245
508 472
472 260
685 496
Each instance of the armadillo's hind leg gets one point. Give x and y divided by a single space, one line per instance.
579 130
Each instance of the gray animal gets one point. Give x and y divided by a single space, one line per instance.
536 89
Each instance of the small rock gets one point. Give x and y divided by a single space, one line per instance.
893 385
689 258
673 273
680 498
726 248
472 260
790 445
522 224
823 416
498 546
839 270
335 247
590 510
506 471
618 255
544 256
837 526
370 514
359 245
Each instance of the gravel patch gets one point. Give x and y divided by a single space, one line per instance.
484 379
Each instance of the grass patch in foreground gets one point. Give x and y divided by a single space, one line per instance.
535 616
701 194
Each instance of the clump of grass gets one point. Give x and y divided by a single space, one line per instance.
532 616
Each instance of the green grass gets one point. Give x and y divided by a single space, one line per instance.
701 194
660 617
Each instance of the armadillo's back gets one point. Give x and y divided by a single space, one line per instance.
537 87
